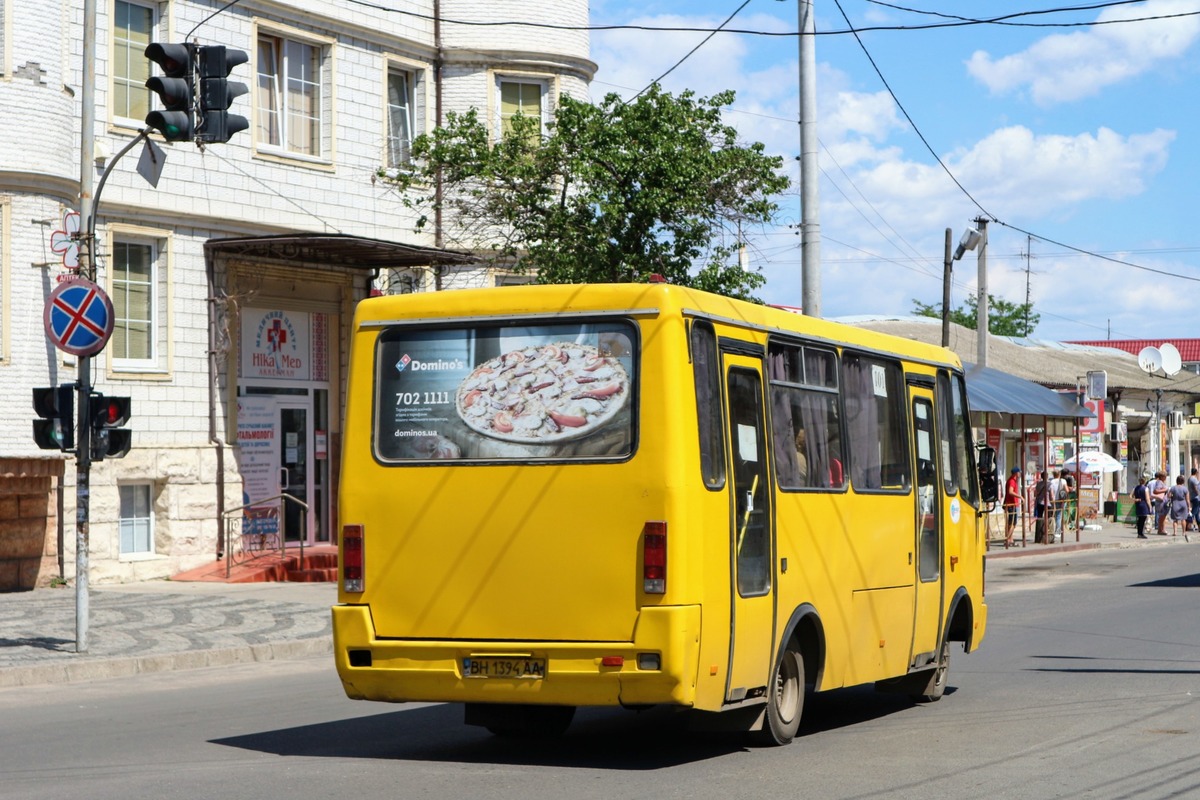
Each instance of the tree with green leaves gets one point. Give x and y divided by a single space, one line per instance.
1005 318
615 192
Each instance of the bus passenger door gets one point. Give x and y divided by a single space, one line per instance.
752 612
929 534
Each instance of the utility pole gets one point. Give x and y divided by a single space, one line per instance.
87 262
981 306
810 226
947 266
1028 257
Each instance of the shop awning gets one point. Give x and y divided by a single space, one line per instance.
994 392
340 250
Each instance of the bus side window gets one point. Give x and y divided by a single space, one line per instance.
707 377
951 465
806 428
876 423
964 443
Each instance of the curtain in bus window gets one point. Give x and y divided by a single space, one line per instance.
783 430
818 411
804 422
875 421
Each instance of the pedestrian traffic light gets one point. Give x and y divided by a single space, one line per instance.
213 65
175 87
108 415
55 406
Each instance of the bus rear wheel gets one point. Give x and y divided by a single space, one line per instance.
785 701
521 721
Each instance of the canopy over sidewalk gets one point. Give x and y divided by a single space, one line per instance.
991 391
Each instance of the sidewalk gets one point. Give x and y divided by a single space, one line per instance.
156 626
1109 534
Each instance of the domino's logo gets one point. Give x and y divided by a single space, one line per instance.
403 362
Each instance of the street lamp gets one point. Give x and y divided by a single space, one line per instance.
968 241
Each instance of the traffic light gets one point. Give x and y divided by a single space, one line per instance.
175 87
213 65
108 415
55 405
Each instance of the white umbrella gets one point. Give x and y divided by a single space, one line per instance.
1093 461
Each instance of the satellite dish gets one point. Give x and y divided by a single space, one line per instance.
1150 359
1171 361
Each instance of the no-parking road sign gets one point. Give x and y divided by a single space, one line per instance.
79 318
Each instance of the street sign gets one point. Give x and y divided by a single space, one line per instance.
78 318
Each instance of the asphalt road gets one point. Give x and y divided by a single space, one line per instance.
1086 687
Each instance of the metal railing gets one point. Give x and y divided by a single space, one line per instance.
238 542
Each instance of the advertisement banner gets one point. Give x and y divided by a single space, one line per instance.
258 462
549 391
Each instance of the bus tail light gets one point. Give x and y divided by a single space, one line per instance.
654 558
352 558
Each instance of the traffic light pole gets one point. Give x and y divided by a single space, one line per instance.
83 440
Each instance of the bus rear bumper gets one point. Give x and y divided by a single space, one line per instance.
576 673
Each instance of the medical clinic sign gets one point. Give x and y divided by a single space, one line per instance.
283 346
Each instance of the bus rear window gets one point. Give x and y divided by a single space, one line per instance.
505 392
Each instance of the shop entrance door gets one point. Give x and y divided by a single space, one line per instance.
295 443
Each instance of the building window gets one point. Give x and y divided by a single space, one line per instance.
137 519
400 117
133 26
525 97
290 98
134 278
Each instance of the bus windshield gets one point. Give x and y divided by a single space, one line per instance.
500 392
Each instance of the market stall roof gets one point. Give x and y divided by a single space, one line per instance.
992 391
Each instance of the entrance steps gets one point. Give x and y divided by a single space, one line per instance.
319 566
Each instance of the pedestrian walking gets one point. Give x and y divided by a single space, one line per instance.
1057 499
1194 498
1158 500
1141 506
1012 504
1041 496
1179 507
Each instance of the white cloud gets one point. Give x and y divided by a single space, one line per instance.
1016 175
1066 67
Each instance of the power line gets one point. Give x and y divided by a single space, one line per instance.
969 196
703 42
953 23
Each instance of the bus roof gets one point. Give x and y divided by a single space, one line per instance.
635 299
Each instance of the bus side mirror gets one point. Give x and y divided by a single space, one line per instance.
989 481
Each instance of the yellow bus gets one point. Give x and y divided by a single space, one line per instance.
641 494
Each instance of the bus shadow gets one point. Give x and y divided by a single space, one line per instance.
613 739
1179 582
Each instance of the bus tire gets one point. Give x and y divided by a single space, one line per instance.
785 703
936 687
518 721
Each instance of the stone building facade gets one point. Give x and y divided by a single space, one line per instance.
235 279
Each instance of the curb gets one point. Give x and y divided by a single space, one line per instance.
92 669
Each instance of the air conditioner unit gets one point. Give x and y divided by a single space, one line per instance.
1175 420
1118 431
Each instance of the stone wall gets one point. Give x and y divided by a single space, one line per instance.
29 522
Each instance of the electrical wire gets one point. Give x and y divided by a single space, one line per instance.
703 42
748 32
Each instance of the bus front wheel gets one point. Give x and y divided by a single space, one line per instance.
785 702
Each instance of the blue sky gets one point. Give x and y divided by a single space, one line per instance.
1087 136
